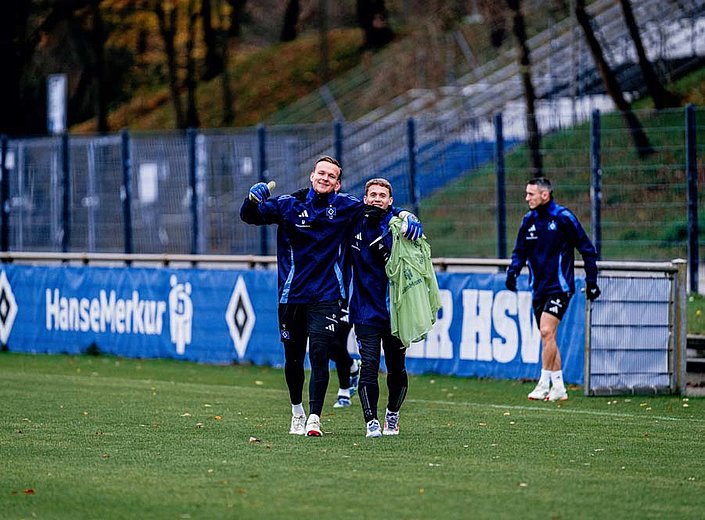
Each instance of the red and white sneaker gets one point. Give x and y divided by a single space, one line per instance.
313 426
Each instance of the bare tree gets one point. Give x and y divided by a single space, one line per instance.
167 29
237 16
291 18
213 59
372 19
661 96
532 128
192 120
609 79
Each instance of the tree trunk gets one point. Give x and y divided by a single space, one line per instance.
291 18
191 83
661 96
532 128
237 13
228 110
98 38
609 79
167 29
372 19
213 59
323 40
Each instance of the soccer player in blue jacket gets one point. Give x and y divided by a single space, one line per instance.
311 284
370 248
547 238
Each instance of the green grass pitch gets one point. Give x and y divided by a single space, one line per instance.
104 437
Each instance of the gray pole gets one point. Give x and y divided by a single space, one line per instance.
691 167
4 202
338 140
596 187
191 137
261 145
127 192
66 194
411 143
501 187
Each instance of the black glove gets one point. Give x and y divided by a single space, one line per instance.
380 250
592 291
511 282
301 194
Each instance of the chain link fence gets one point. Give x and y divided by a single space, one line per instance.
181 192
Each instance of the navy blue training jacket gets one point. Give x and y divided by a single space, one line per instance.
547 238
310 237
369 301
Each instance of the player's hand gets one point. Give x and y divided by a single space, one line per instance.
261 191
592 291
511 282
414 228
380 250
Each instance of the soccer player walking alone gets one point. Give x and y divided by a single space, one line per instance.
548 235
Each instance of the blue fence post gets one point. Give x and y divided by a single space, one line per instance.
596 186
195 227
501 187
691 166
66 195
127 191
338 141
411 143
4 202
261 148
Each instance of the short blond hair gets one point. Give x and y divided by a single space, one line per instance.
379 181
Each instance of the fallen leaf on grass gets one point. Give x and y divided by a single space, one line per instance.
29 491
253 439
104 456
218 417
199 425
259 382
185 414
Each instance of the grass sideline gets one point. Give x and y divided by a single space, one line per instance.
104 437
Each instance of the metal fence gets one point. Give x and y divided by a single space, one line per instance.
180 193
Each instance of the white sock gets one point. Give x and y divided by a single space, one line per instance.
545 378
344 392
297 409
557 379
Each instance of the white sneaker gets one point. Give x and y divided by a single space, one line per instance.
557 394
373 429
355 376
342 402
391 423
298 425
540 393
313 426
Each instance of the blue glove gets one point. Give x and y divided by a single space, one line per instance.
414 229
259 193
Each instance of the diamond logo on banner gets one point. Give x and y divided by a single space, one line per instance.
240 317
8 308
